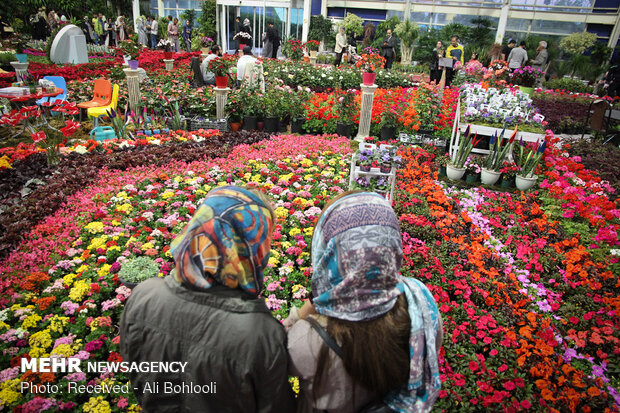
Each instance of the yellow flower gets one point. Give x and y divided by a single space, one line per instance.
294 381
63 350
81 268
309 231
281 212
167 194
273 261
256 178
124 208
296 287
306 163
98 242
122 195
286 245
41 339
9 393
4 326
4 162
68 279
94 227
79 290
97 405
31 321
104 270
57 323
116 223
294 231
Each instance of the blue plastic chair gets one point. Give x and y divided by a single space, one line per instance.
59 82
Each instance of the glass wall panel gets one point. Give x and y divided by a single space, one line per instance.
548 26
517 25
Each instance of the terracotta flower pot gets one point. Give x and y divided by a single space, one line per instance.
221 82
234 126
168 55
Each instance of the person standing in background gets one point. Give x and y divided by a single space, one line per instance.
508 48
100 28
173 33
187 35
121 30
154 33
388 49
141 28
274 39
517 57
87 29
267 47
341 44
496 52
438 53
542 56
169 24
237 29
456 52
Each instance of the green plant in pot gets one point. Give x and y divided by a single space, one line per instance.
347 109
18 43
389 123
130 50
139 269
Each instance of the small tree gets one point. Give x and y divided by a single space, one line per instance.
321 29
408 33
353 25
188 14
577 43
206 19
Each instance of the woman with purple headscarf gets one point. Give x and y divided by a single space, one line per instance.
370 337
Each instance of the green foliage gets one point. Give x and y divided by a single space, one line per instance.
577 43
408 33
481 34
426 44
139 269
600 53
320 29
453 29
206 20
188 14
7 58
353 25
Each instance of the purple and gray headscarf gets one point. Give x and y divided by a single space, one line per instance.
356 257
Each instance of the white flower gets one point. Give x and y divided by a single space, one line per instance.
80 149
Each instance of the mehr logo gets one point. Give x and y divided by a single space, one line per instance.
51 365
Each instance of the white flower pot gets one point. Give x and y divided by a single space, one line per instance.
489 177
523 184
454 173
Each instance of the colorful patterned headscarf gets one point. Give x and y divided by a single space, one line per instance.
356 257
226 242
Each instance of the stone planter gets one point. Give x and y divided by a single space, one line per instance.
523 184
489 177
454 173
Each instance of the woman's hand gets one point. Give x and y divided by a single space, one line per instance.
306 310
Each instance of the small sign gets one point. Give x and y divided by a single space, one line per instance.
446 62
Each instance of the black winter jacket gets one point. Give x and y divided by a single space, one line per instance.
226 337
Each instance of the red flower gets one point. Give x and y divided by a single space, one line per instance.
70 128
473 366
38 137
509 386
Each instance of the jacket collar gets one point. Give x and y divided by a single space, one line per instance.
219 296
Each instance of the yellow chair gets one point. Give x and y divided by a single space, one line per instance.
101 111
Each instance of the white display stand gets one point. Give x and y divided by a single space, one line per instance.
69 46
459 127
356 172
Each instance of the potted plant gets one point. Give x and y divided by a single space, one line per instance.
366 158
139 269
312 46
509 172
528 163
498 149
253 107
206 43
526 78
472 170
18 43
233 108
389 123
131 51
220 66
273 110
369 65
346 109
293 49
455 169
165 45
243 38
296 109
441 161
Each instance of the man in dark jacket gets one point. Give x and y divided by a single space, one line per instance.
208 315
388 49
274 38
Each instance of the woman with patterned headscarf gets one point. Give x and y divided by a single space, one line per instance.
208 314
370 337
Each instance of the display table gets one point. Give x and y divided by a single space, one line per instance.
356 171
27 100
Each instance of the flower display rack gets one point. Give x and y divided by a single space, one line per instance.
197 123
356 171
